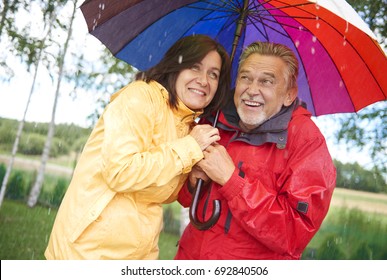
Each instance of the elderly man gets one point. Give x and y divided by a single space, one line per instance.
271 170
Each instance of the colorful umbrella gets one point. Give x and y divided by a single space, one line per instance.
342 66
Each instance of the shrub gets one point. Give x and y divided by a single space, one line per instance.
363 252
330 250
171 225
3 169
31 144
16 188
59 191
7 135
59 147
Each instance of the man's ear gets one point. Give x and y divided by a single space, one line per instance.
291 95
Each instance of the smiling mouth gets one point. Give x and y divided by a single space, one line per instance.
198 91
252 103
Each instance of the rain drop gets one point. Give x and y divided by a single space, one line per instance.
317 6
297 43
312 50
180 59
341 84
317 25
314 39
150 58
300 28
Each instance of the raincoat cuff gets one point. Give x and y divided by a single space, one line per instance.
185 196
188 151
233 186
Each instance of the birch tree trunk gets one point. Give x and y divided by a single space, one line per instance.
35 191
22 122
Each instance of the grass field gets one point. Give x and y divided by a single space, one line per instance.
24 231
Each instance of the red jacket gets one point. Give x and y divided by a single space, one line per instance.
277 197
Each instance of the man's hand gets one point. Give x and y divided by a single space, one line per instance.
196 174
217 164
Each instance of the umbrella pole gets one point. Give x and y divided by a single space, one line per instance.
193 216
240 26
216 203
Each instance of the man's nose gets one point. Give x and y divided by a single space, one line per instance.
254 88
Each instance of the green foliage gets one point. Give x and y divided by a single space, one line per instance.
31 144
7 132
67 138
168 245
330 249
350 234
24 231
171 221
59 191
368 128
363 252
374 13
3 169
353 176
20 183
17 186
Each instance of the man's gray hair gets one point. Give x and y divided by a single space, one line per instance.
277 50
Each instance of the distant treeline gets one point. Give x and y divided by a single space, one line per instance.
355 177
67 137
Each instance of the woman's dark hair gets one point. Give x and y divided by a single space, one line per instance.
183 55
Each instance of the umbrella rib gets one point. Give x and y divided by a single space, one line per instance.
226 7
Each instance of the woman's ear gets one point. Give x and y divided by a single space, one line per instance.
291 95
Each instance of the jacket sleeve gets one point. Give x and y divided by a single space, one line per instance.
185 196
128 161
284 211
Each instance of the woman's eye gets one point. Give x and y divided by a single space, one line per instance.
195 67
214 75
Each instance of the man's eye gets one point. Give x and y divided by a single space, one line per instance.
267 82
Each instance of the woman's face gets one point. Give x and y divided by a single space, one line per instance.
197 85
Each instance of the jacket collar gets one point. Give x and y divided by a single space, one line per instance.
273 130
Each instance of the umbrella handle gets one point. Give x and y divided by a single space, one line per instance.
195 201
193 210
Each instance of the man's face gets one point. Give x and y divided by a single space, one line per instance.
261 90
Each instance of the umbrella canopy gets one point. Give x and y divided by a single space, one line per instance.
342 67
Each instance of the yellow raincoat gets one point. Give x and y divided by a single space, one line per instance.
136 158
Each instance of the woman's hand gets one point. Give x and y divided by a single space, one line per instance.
205 135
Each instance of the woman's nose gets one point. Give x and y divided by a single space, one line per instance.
202 79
